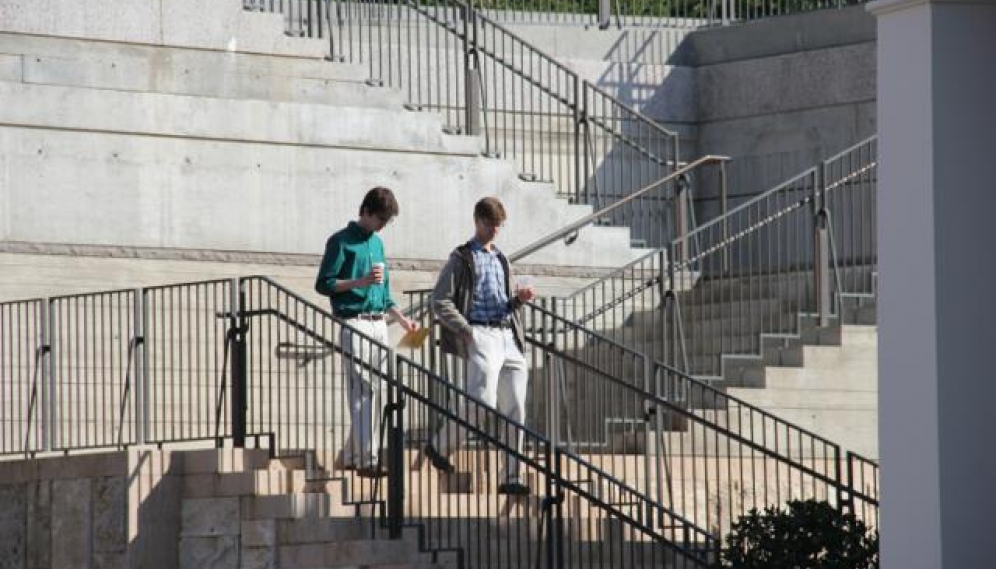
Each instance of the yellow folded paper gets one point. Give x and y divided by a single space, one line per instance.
414 339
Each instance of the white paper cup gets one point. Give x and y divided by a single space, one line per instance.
381 267
523 282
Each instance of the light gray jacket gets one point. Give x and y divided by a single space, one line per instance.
453 295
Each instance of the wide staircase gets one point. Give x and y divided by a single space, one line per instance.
633 460
182 145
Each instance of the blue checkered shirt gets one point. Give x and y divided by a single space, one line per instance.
490 300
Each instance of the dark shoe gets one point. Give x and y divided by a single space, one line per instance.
372 471
513 489
439 462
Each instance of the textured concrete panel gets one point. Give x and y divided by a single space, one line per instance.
39 530
259 533
10 68
214 552
787 82
109 515
133 21
154 506
13 530
72 511
110 561
151 192
772 36
770 149
210 517
258 558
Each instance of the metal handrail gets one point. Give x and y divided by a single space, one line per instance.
538 106
548 468
573 227
570 327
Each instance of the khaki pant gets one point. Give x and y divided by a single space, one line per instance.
366 389
496 375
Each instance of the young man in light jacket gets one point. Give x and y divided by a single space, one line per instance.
473 300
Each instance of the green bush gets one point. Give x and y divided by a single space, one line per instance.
808 535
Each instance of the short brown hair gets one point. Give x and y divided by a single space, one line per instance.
490 211
380 202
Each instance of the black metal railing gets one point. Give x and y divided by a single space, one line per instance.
706 455
850 182
691 14
24 364
775 266
448 57
180 356
658 13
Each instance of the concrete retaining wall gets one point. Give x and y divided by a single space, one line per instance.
781 95
186 23
111 510
138 146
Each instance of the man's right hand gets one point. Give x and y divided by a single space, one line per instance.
467 337
371 278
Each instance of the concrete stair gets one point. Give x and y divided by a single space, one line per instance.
150 129
243 509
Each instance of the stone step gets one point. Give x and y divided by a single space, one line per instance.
178 59
222 25
186 116
696 326
254 483
368 553
126 73
721 309
214 461
297 506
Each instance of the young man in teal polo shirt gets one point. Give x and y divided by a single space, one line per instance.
354 276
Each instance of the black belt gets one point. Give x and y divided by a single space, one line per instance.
374 316
492 323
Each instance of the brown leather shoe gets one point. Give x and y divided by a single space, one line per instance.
371 471
439 461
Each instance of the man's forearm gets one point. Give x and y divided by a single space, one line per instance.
397 314
345 285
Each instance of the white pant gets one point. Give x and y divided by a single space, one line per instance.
366 399
496 374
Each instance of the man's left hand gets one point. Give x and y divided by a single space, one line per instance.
525 294
408 325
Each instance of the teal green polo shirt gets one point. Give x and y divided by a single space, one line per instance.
350 254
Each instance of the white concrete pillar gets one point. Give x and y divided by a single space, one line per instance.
937 262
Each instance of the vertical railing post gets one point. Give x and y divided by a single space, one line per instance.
47 377
550 502
395 450
140 417
51 416
604 14
724 206
472 75
579 154
652 433
681 220
821 254
671 332
238 327
553 385
842 495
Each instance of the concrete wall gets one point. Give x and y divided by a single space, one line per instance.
835 393
111 510
272 155
186 23
781 95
